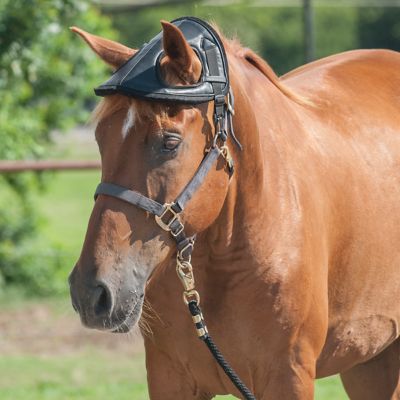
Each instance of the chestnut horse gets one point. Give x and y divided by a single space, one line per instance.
297 257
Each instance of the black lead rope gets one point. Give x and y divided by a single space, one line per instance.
206 338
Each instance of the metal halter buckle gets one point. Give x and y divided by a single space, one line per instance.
167 225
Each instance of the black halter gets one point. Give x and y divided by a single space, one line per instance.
140 77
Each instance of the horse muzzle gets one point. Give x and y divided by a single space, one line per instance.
113 304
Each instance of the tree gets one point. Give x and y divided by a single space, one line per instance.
46 76
379 27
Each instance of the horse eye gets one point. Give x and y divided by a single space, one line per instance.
171 142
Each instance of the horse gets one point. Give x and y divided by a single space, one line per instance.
297 253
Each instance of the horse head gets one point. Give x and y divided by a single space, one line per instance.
154 148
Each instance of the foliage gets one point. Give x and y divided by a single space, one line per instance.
379 28
336 30
46 79
276 33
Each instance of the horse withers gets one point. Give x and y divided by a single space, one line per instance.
296 255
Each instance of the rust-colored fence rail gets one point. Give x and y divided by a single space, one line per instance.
47 165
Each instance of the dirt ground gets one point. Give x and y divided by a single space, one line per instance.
51 328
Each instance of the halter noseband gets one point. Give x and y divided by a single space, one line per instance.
140 77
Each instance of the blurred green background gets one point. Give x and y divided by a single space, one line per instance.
46 80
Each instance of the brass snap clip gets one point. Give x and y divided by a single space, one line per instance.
184 270
185 273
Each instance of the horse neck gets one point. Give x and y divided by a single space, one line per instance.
252 193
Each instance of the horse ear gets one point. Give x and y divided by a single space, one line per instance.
113 53
179 56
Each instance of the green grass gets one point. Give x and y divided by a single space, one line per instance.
330 389
65 208
88 376
94 375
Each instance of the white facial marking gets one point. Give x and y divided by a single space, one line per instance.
129 122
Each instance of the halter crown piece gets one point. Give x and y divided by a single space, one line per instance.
140 77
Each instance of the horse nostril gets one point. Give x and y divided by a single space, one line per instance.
102 301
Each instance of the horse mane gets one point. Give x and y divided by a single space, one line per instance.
250 56
259 63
